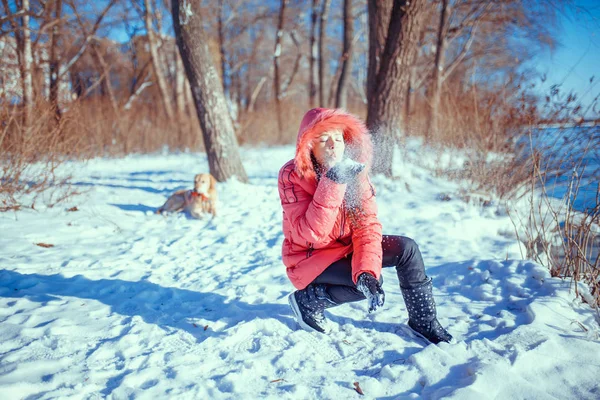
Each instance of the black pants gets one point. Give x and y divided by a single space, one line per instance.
398 251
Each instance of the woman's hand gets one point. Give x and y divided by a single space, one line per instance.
371 288
344 171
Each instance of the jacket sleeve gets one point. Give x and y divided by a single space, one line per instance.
366 238
311 217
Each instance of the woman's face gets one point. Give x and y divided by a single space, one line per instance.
328 148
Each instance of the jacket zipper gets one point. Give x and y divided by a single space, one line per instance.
310 250
343 222
342 226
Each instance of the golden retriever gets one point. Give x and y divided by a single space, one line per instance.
196 202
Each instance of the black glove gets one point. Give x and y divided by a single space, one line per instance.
345 171
370 287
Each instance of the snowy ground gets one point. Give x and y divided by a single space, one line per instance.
128 304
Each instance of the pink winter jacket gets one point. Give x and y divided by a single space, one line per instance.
316 227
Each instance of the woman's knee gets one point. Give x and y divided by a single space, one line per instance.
400 244
409 245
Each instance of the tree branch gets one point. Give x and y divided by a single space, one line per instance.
89 36
287 84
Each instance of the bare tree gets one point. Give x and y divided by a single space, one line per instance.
221 35
24 54
105 77
27 65
391 80
217 128
105 68
180 84
156 61
341 96
286 85
276 56
312 88
379 20
322 61
54 58
436 81
88 37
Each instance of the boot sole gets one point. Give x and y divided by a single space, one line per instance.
427 341
416 334
298 315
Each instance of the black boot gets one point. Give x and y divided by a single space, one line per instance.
309 305
421 313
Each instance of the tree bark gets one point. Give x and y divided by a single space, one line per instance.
54 60
255 93
436 79
322 63
180 98
312 88
179 85
221 35
277 77
341 95
27 61
286 85
158 70
89 36
105 78
389 90
409 97
379 20
217 129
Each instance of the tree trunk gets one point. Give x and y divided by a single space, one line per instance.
238 94
322 63
158 70
27 61
286 85
222 47
190 106
389 90
180 99
379 20
118 127
179 85
255 93
436 79
341 95
335 78
54 61
276 55
105 77
217 129
409 97
312 88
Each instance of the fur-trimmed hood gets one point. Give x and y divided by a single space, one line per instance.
319 120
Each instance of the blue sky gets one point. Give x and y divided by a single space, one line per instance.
571 64
577 57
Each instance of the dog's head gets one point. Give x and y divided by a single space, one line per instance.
204 184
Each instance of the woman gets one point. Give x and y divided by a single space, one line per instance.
333 248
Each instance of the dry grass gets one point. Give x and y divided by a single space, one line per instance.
484 127
566 241
496 132
260 126
553 233
142 129
31 156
